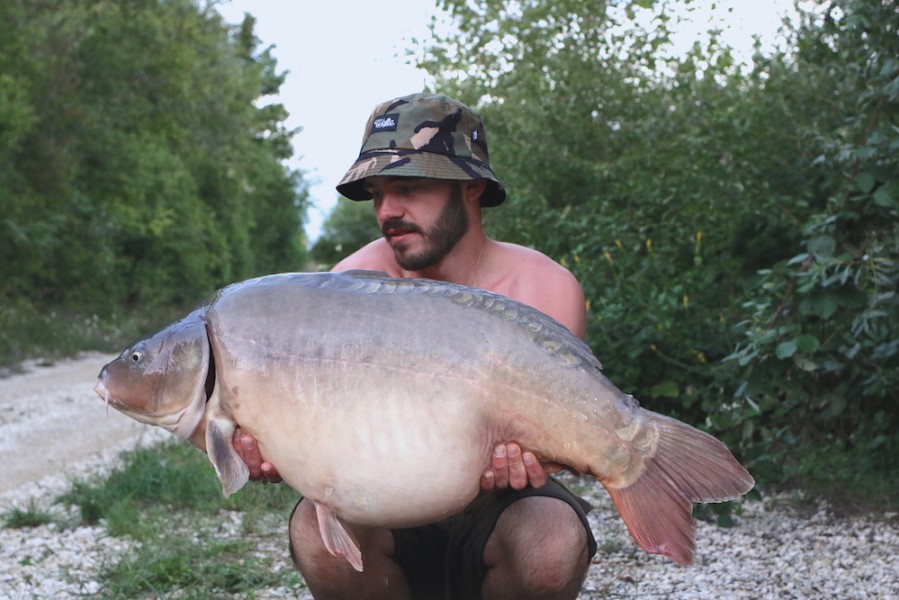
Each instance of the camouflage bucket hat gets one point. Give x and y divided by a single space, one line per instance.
423 135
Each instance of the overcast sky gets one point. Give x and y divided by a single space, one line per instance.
346 56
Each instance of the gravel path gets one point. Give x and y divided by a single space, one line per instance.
52 421
54 428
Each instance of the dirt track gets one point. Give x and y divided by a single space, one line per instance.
51 420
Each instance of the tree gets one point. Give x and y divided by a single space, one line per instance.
137 167
350 226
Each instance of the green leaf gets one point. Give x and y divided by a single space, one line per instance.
865 182
885 196
805 363
785 349
807 343
822 246
823 306
837 405
666 389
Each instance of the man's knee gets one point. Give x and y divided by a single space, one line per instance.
329 576
542 543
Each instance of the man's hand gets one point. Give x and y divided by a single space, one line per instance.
248 449
510 468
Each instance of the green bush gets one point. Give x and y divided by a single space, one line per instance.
734 227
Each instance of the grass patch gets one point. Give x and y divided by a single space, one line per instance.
195 568
24 518
173 475
168 500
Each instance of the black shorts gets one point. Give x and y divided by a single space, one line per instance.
445 560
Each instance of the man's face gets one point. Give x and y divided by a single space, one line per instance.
421 219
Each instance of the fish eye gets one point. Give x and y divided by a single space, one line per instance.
136 356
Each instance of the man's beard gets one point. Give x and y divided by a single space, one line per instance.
448 229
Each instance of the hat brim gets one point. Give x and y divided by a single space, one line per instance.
414 163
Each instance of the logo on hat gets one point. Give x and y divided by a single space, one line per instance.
385 123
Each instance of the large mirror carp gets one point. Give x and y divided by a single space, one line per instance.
381 399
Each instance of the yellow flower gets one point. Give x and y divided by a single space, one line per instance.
686 301
649 246
619 244
608 256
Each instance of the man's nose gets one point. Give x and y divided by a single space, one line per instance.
389 206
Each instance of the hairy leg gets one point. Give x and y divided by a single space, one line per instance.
538 549
330 577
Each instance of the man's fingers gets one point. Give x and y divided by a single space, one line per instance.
248 449
251 456
536 475
487 480
238 440
269 474
512 468
518 475
500 467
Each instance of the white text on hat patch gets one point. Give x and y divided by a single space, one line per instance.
384 123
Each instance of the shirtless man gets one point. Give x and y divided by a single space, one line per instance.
424 165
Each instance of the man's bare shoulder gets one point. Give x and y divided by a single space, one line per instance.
534 266
532 277
374 256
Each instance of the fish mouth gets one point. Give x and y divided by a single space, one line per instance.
109 400
101 390
173 422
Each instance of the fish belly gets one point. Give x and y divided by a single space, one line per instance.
393 456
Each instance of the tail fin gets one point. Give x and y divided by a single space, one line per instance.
688 466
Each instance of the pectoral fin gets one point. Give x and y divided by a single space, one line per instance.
337 538
230 468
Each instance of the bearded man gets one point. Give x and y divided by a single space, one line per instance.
424 164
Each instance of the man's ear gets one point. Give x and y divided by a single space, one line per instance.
473 190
